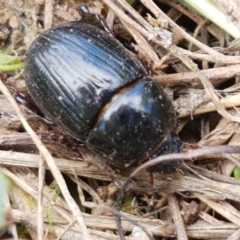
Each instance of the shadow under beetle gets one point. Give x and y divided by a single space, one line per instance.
87 83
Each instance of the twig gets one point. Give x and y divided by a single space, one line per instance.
41 177
187 156
235 235
67 228
181 232
215 75
211 58
228 102
221 207
215 98
48 16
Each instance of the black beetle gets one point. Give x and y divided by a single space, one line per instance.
86 82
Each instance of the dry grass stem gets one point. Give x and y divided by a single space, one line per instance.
41 178
177 218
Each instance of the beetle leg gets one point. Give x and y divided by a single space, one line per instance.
94 19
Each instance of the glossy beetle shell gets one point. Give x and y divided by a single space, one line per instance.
86 82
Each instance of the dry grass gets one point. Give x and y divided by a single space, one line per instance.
200 201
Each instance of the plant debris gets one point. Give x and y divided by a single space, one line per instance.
74 193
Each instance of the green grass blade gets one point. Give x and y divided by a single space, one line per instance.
10 63
212 12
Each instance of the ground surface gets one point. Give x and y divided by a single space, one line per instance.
200 70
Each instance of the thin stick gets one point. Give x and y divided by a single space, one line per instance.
181 232
221 207
215 75
41 176
48 16
225 149
228 102
235 235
